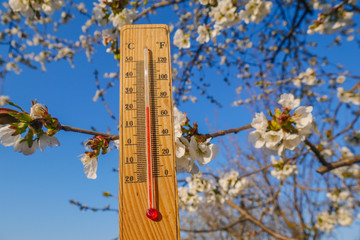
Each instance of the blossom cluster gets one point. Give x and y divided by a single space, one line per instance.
33 8
284 130
89 159
201 190
255 11
190 146
308 78
224 14
330 20
342 204
282 169
348 96
109 11
18 123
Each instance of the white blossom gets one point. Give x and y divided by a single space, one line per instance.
189 201
257 138
283 170
125 17
99 14
116 143
179 121
303 116
329 23
19 5
338 195
231 186
287 100
344 216
260 122
272 138
340 79
348 96
22 146
325 221
90 165
181 40
291 141
255 11
46 140
6 136
4 100
204 35
203 152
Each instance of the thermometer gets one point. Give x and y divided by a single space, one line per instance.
148 201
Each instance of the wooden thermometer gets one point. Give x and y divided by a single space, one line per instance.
148 201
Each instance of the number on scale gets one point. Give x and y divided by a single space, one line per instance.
128 106
129 178
163 76
129 160
129 123
128 59
129 74
129 90
163 94
162 59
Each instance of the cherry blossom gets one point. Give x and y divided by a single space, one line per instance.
255 11
46 140
4 100
204 35
283 170
21 145
181 40
38 111
287 100
7 136
90 165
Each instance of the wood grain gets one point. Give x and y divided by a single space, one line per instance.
133 190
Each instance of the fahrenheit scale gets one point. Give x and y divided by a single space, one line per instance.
148 205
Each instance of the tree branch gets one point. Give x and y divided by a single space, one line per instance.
345 162
224 132
226 227
257 222
79 130
317 153
157 5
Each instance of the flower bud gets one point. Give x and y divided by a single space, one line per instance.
38 111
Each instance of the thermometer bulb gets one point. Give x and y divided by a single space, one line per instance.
152 213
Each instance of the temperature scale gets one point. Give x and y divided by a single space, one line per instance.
148 201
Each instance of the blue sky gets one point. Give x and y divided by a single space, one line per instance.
35 190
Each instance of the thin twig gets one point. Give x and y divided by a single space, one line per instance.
256 222
224 132
230 225
157 5
79 130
